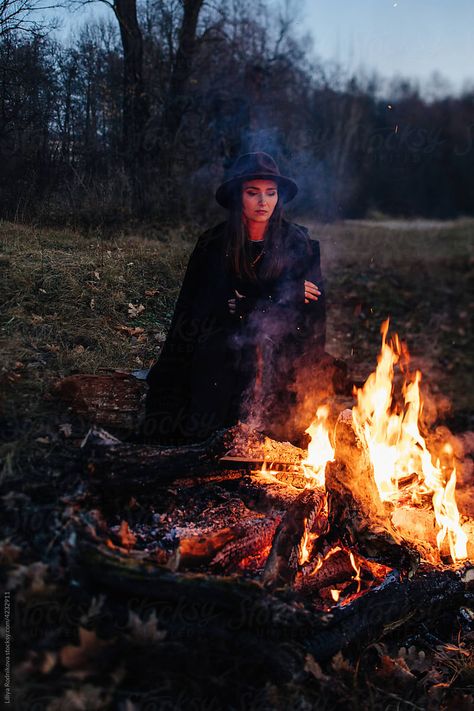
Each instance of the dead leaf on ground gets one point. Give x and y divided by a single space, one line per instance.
85 698
9 552
12 376
95 608
144 632
44 662
134 311
31 577
312 666
129 330
80 656
48 661
339 664
66 429
395 671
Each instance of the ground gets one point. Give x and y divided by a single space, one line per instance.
75 302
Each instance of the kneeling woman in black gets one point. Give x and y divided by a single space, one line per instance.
250 317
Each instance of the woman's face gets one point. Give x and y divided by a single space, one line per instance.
259 198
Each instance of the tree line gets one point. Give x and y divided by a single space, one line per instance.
139 116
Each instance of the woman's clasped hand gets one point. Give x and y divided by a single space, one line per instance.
311 293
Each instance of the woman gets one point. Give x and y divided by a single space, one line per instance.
249 317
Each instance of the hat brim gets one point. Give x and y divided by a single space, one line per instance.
225 192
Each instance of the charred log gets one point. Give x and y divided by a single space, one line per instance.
134 467
337 568
266 494
241 607
111 462
250 540
299 519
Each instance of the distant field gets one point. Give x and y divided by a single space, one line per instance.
64 295
421 274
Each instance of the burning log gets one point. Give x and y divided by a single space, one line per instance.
134 467
194 551
341 568
335 567
300 518
380 611
251 444
248 541
397 533
354 500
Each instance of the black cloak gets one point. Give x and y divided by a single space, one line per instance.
215 367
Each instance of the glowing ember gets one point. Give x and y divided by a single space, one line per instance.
335 594
320 450
323 559
357 570
306 546
397 449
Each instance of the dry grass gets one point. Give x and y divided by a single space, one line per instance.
63 296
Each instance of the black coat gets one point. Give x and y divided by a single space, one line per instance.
216 368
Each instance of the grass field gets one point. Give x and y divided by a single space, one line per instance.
421 277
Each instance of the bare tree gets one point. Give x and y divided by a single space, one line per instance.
136 103
22 16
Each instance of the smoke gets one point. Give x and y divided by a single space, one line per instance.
286 379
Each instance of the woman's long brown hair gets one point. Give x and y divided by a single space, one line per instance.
239 255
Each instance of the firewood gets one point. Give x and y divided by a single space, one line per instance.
202 548
263 493
109 399
243 608
137 467
336 569
248 443
354 500
248 539
109 461
418 527
300 517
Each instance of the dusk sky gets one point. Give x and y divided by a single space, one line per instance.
408 37
411 38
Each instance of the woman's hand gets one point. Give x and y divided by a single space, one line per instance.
232 302
311 292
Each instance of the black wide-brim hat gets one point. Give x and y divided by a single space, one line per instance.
258 166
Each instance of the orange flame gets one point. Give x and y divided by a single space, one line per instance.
320 450
397 449
306 545
357 570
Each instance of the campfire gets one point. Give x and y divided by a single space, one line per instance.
369 506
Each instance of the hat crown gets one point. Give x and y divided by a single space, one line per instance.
254 163
251 166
